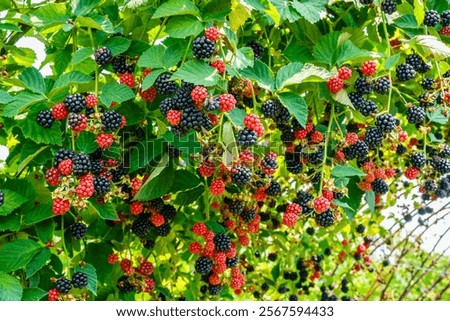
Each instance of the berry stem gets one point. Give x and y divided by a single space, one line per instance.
441 83
386 34
91 36
187 50
64 247
159 30
325 152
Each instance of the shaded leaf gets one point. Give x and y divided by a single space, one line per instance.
346 171
12 200
115 92
184 26
106 212
17 254
82 54
33 80
33 294
37 262
260 73
197 72
117 45
296 106
175 8
10 288
38 214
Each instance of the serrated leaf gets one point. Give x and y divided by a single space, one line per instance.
175 8
10 222
115 92
244 58
370 199
216 10
49 15
391 61
33 294
151 78
237 116
12 200
5 98
96 21
296 73
21 101
33 80
184 26
71 78
117 45
311 10
342 97
145 152
346 171
44 230
159 182
238 15
407 21
86 142
190 196
260 73
296 106
37 262
349 52
184 180
10 288
82 7
228 139
106 212
197 72
38 214
81 55
433 45
215 227
22 56
325 50
32 130
285 10
17 254
161 57
437 117
91 273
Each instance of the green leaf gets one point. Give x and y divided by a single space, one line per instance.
216 10
33 294
391 61
229 140
325 50
38 214
81 55
437 117
71 78
407 21
145 152
190 196
132 112
5 98
106 212
22 56
285 10
431 44
32 130
96 21
176 8
33 80
238 16
13 200
160 57
187 144
44 230
346 171
370 199
10 27
184 26
237 116
348 52
244 58
10 288
82 7
261 73
118 45
49 15
197 72
419 11
28 159
17 254
184 180
21 101
310 9
158 183
296 106
298 52
115 92
10 222
214 226
91 273
342 204
296 73
151 78
86 142
275 272
37 262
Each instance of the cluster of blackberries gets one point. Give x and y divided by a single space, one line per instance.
78 230
364 86
79 280
432 18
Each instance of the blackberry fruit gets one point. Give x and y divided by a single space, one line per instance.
2 198
445 18
211 103
274 188
111 120
141 227
427 83
75 103
293 297
63 285
117 173
157 204
203 265
63 154
202 48
119 65
379 186
148 244
269 163
431 18
368 108
363 85
385 122
257 48
357 100
214 289
445 153
257 295
366 1
79 280
101 185
45 119
240 175
360 229
271 108
418 160
74 120
163 230
293 166
415 115
283 117
430 186
287 135
389 6
316 157
360 149
81 164
248 215
169 212
246 137
373 137
325 219
405 72
442 166
235 206
193 118
166 105
102 56
232 262
78 230
382 85
417 63
222 242
124 285
96 166
165 86
183 98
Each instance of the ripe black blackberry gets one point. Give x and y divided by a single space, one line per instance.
240 175
389 6
418 160
45 119
386 123
195 119
124 285
360 149
235 206
415 115
203 265
164 86
427 83
117 173
274 188
382 85
102 56
248 215
222 242
63 285
214 289
2 197
357 100
120 66
111 120
211 103
183 98
74 120
293 297
271 108
442 166
283 117
166 105
141 227
75 103
360 228
169 212
81 164
366 1
63 154
246 137
368 108
79 280
101 185
445 153
257 48
417 63
445 18
157 204
430 185
405 72
293 166
302 199
202 48
316 157
363 85
325 219
269 162
373 137
287 135
379 186
96 166
78 230
232 262
431 18
163 230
